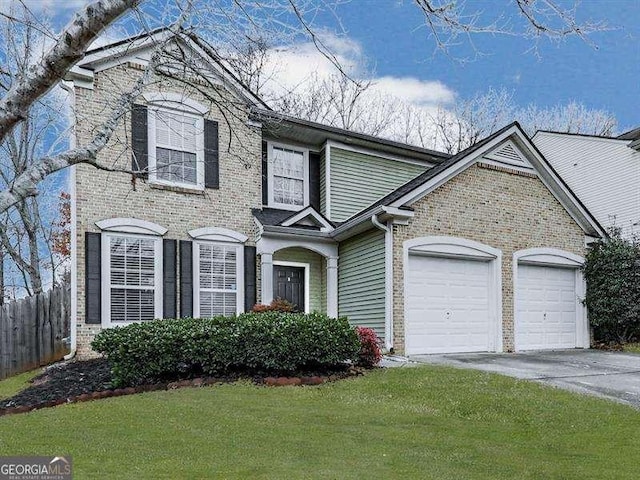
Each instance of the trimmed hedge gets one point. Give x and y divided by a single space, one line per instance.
251 343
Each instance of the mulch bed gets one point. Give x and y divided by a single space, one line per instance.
80 381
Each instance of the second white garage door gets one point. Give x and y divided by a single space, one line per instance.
447 305
545 308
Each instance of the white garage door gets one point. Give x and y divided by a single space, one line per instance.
546 308
447 305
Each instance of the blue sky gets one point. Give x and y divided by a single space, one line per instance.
388 36
607 77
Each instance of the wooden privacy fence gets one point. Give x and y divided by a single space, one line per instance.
33 331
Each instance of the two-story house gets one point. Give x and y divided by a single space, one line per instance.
238 204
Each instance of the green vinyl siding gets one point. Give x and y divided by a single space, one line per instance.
317 289
357 180
361 280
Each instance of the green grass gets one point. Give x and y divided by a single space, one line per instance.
422 423
12 385
632 348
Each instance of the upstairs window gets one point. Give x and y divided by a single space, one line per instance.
176 148
288 177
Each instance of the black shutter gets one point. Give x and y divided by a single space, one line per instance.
249 278
139 140
314 180
265 175
169 274
186 278
93 278
211 157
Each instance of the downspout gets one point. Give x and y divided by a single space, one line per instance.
388 280
73 239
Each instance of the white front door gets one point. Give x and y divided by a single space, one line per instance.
447 305
545 308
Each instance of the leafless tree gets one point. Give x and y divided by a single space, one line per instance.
220 25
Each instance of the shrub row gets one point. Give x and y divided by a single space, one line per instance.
251 343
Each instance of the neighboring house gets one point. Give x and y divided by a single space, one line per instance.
476 252
603 172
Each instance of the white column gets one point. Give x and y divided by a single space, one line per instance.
266 272
332 286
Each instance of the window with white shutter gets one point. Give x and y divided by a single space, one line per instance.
133 278
176 146
288 177
218 279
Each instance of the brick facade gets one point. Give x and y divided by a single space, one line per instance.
504 209
101 195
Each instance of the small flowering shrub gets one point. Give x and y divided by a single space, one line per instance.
250 343
277 305
370 354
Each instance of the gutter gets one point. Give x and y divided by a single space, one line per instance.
73 235
388 279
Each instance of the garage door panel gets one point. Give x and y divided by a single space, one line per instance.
546 308
447 305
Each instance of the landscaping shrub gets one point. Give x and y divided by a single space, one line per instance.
277 305
370 354
612 273
251 343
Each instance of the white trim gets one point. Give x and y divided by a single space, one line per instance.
388 279
327 180
152 145
455 247
73 247
240 293
217 234
307 290
271 244
308 212
270 174
106 276
492 157
176 101
447 174
131 225
541 167
375 153
553 257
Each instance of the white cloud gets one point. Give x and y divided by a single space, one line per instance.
292 66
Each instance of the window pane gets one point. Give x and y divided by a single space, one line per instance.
288 176
176 131
176 166
132 265
132 305
217 303
218 276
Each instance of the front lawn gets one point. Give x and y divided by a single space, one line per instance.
13 385
424 422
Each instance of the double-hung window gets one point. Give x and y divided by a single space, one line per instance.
288 177
218 279
176 148
133 285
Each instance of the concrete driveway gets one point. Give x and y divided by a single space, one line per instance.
611 375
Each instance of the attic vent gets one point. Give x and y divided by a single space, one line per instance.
510 154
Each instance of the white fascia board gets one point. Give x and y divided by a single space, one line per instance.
458 167
541 167
126 49
308 212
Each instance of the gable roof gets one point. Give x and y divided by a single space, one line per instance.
633 134
279 125
133 48
404 196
